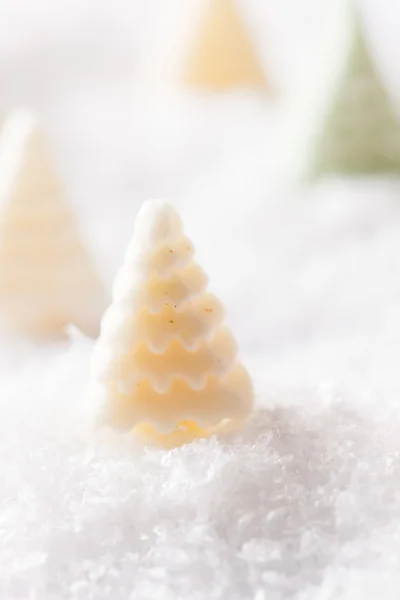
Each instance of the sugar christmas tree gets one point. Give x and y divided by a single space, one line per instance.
360 133
46 278
165 365
223 56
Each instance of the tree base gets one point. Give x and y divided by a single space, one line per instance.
184 433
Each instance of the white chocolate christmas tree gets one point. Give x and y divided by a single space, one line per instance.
46 278
164 364
223 56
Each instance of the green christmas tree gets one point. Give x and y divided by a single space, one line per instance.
360 134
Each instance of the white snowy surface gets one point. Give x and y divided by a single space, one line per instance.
304 503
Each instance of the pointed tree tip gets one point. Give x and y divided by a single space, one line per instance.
157 222
157 204
19 128
22 119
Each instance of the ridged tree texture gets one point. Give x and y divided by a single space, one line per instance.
47 280
165 365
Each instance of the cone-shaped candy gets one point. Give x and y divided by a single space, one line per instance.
360 133
164 364
47 280
223 56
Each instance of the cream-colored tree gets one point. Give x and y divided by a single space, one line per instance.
165 365
47 280
223 56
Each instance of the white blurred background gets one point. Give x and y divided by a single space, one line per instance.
104 78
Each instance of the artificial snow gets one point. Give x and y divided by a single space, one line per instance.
303 503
